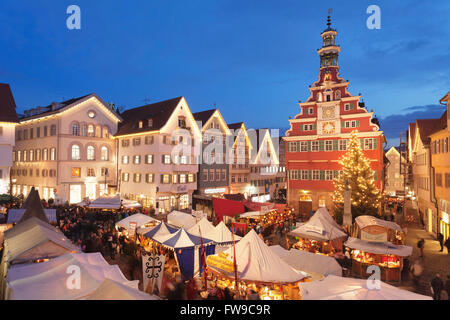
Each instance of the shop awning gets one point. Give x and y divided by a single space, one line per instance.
379 247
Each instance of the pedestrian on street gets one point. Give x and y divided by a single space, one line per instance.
416 270
437 285
440 238
447 244
420 245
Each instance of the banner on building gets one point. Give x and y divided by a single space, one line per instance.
152 270
371 237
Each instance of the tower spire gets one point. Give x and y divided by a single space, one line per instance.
329 18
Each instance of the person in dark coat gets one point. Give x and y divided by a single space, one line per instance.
440 238
438 285
447 244
447 285
420 245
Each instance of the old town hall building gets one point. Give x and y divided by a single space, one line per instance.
319 134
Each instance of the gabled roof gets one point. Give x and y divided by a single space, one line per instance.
7 104
445 98
427 127
58 107
159 112
203 116
235 126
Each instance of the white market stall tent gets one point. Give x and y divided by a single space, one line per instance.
159 232
339 288
203 227
252 214
14 215
113 290
140 219
256 262
181 220
222 236
365 221
131 204
106 202
321 227
51 280
314 264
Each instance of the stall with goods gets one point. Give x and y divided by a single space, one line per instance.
389 257
181 220
222 237
321 234
133 223
251 265
373 229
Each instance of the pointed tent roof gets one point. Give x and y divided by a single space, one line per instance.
339 288
34 208
183 239
181 219
34 239
320 227
27 200
256 262
204 225
7 105
222 235
160 230
140 219
113 290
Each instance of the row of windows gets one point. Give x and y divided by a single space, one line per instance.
439 146
262 183
330 145
214 175
238 179
34 155
90 130
27 134
90 153
166 139
150 159
313 174
441 183
90 172
424 183
29 172
17 189
176 178
347 106
266 170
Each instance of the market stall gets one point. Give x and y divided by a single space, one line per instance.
188 249
339 288
181 220
318 266
106 202
258 268
222 237
130 204
135 222
203 227
321 234
48 280
389 257
14 215
113 290
370 228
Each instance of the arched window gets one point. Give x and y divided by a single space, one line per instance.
84 130
98 131
105 132
76 152
90 153
104 153
75 129
91 132
319 97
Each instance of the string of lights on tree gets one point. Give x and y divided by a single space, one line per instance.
358 176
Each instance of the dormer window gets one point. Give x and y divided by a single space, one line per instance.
150 123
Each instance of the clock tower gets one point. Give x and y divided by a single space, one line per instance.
319 133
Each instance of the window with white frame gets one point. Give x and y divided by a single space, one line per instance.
125 159
328 145
90 153
137 159
305 175
75 152
166 159
104 153
149 159
303 146
329 175
316 174
314 145
368 144
342 145
53 154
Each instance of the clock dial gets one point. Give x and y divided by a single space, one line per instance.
328 112
328 128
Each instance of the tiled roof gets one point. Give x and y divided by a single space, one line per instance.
203 116
235 126
160 112
7 104
429 126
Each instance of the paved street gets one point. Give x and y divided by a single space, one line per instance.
433 261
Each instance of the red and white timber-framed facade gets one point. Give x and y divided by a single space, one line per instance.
319 135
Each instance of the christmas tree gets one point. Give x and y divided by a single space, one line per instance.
359 178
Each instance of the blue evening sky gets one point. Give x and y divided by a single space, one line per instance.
253 58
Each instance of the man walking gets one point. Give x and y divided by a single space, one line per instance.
437 285
420 245
447 244
440 238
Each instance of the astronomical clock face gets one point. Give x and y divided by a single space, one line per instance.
328 127
328 112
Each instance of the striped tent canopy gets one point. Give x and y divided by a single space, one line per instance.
182 239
